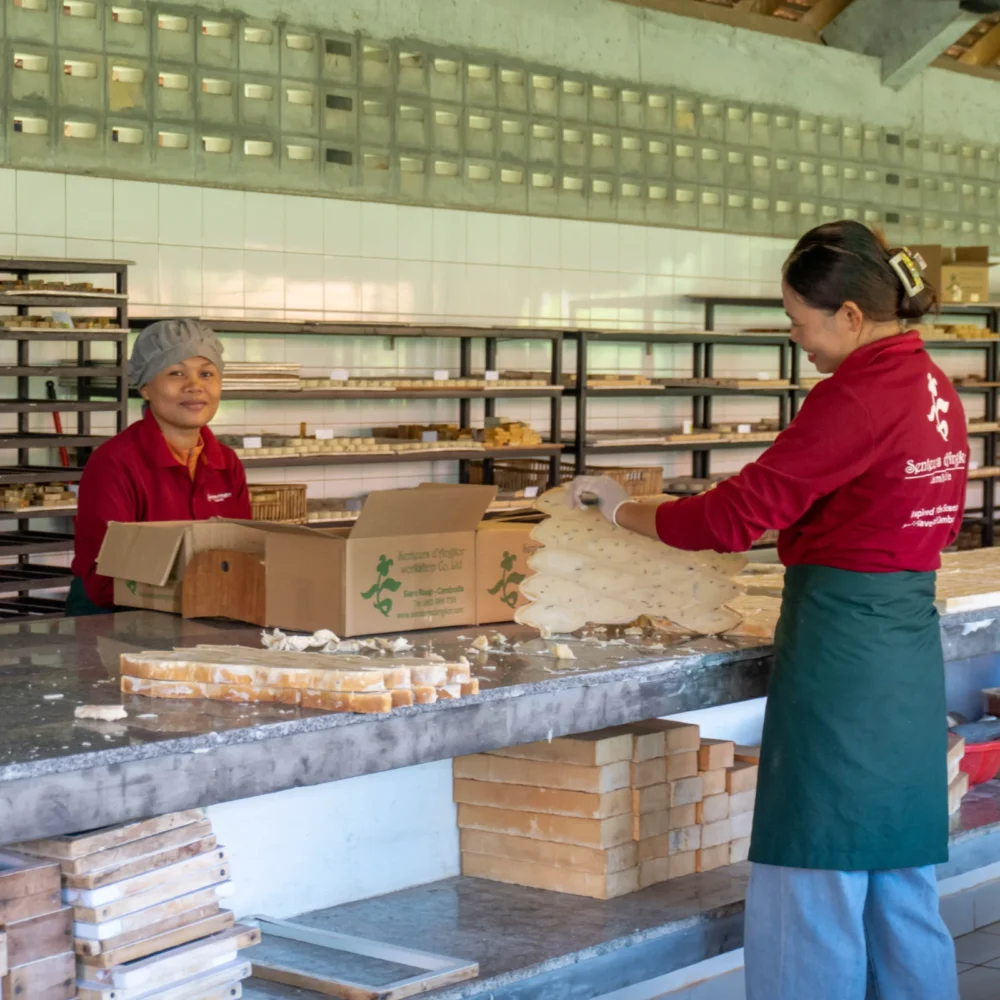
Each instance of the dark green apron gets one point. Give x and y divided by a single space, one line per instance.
78 604
853 772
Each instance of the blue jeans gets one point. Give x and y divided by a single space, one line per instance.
828 935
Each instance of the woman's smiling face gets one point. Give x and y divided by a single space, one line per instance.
827 338
185 394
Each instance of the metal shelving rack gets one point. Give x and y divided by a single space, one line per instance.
702 365
491 336
990 348
702 346
18 579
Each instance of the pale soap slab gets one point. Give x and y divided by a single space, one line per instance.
328 681
589 571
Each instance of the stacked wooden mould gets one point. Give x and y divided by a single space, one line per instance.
36 931
606 813
143 914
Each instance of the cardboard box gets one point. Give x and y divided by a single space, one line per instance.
502 550
958 274
503 546
405 564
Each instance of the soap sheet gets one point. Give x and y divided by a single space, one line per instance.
590 571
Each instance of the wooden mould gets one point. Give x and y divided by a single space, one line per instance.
166 968
52 978
22 876
433 971
224 584
145 947
40 937
95 936
213 984
29 887
91 842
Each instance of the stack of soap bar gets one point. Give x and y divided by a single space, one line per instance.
603 814
332 682
143 910
553 815
715 757
669 840
36 955
746 754
741 783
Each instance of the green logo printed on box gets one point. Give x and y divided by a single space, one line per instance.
132 585
384 582
508 579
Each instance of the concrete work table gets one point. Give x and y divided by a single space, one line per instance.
61 775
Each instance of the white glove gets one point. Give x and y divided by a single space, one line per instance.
609 495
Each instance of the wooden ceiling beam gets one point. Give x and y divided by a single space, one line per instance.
765 7
822 13
746 14
985 50
983 72
730 16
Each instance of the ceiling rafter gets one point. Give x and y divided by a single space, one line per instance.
822 13
729 15
983 72
765 7
985 50
977 53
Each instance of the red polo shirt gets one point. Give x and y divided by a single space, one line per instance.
135 477
870 476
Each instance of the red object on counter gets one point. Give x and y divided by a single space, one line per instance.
981 761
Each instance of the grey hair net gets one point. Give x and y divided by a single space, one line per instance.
166 343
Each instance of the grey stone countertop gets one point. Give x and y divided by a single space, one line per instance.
530 944
179 754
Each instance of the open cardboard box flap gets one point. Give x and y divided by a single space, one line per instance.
147 552
388 513
143 552
967 255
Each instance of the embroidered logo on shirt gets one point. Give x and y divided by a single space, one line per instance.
217 497
938 406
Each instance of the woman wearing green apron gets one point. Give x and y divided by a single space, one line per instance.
866 487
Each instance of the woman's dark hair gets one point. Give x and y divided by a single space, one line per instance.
846 262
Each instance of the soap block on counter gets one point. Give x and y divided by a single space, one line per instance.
555 879
716 753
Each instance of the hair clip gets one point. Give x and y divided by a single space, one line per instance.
908 271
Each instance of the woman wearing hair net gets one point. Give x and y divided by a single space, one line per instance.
167 466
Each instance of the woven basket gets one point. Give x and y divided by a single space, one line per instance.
284 503
526 473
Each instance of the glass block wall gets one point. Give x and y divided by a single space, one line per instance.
156 92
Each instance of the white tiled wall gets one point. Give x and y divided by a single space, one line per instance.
219 253
213 252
